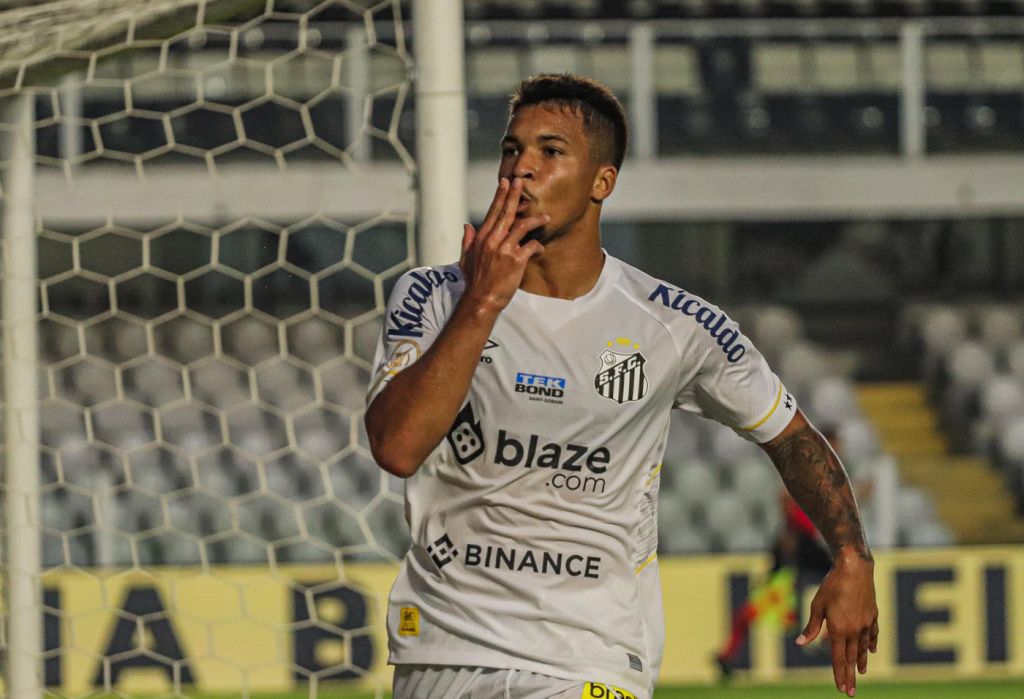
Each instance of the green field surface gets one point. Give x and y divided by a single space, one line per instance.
995 689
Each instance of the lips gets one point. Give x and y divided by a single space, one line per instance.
524 202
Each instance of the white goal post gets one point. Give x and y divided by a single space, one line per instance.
145 385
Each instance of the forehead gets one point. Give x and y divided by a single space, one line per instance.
535 120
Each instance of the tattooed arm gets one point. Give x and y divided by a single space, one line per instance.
845 602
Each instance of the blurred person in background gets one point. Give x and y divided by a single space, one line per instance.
799 552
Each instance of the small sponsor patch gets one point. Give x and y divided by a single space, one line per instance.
634 660
409 622
596 690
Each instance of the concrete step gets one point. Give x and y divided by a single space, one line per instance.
969 495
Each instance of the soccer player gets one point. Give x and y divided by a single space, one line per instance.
525 395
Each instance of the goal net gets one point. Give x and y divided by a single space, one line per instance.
221 202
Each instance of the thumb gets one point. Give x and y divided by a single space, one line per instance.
813 627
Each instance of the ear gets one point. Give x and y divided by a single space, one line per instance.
604 183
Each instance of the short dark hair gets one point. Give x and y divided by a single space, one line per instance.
604 119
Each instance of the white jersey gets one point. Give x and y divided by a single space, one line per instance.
534 523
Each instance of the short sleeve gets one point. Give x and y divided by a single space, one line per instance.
734 384
412 321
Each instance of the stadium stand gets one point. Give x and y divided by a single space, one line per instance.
974 373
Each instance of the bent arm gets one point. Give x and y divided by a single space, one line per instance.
818 482
411 416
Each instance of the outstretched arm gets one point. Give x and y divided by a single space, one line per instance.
845 601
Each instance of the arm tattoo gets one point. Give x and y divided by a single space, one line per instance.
819 484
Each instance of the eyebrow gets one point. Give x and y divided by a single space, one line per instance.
544 137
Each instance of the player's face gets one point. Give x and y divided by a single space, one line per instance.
548 149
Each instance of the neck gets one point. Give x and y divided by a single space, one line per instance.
569 267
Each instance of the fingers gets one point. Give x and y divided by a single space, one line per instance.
530 249
508 209
839 662
522 227
813 627
492 236
862 651
496 204
873 644
852 649
468 234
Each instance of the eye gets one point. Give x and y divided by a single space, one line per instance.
552 152
508 150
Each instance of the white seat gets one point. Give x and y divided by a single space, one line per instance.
1001 397
682 540
220 385
1000 327
244 549
942 330
316 341
725 511
930 534
746 539
801 367
970 364
345 385
833 400
728 447
858 440
914 506
695 483
94 381
775 328
756 482
252 341
1011 439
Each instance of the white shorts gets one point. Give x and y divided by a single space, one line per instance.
449 682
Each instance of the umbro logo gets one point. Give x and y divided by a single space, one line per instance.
789 402
491 344
443 551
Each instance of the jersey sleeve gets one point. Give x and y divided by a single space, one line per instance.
412 321
733 384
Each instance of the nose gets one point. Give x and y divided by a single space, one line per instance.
524 167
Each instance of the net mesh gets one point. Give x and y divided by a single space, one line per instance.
211 519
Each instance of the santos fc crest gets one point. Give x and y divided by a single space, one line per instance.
622 376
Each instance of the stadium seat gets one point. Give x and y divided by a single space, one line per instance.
774 329
801 368
833 400
757 482
1000 327
728 447
725 512
219 384
929 534
746 539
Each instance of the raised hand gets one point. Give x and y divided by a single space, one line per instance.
493 261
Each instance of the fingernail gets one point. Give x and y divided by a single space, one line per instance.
801 639
842 688
853 691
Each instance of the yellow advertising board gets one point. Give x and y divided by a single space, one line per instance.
949 612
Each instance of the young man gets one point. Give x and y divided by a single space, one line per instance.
525 394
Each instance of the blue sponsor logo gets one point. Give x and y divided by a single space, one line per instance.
537 385
407 318
712 319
